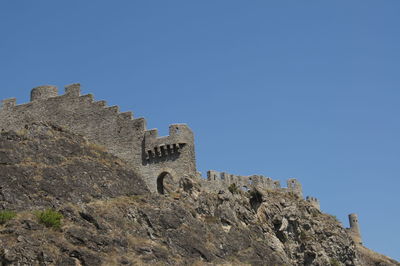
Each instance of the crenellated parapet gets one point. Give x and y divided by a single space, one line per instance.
155 146
44 98
254 181
118 132
264 182
314 202
43 92
242 181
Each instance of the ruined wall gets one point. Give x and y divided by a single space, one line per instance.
119 133
314 202
294 186
245 182
224 180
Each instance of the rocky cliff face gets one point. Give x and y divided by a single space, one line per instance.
110 218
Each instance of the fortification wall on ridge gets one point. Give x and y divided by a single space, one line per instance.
120 133
224 180
151 155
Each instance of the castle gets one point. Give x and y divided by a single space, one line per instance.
152 156
121 134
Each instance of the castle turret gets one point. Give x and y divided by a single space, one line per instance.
294 186
354 228
43 92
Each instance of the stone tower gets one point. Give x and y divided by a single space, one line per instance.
354 229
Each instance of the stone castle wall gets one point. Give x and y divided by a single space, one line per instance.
127 137
120 133
222 179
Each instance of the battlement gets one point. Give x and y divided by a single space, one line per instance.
47 92
119 132
253 181
43 92
155 146
314 202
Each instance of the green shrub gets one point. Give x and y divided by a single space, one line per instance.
50 218
5 216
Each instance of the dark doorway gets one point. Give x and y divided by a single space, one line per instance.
165 183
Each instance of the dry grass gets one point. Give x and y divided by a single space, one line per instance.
96 147
210 219
22 132
376 257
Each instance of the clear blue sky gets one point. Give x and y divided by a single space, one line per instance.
306 89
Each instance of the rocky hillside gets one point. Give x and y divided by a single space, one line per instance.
108 217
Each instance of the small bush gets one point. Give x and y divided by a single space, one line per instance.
233 188
5 216
50 218
314 212
335 218
137 197
334 262
211 219
303 236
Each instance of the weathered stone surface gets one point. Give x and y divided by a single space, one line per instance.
110 218
44 166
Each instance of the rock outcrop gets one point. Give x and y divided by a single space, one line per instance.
111 218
